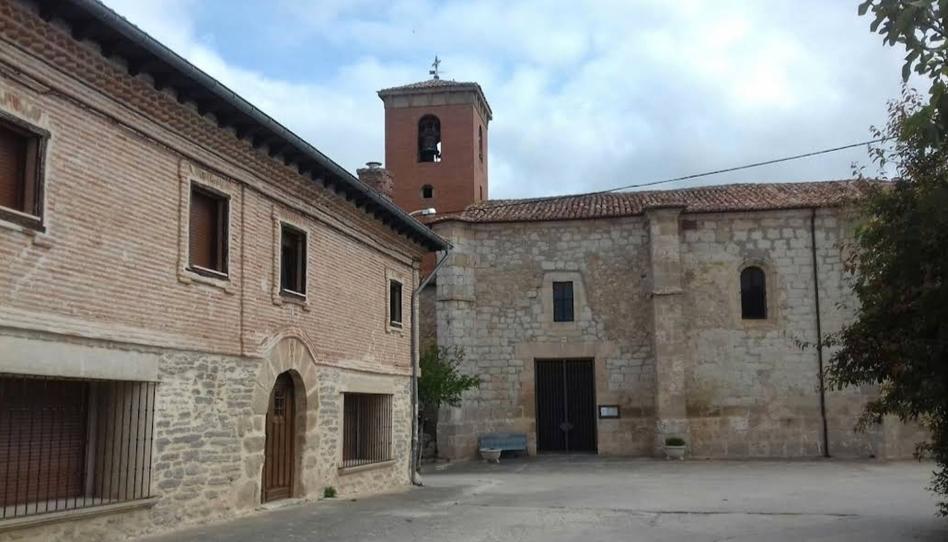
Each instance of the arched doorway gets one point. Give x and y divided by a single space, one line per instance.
279 461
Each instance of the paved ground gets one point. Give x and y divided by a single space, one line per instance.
592 499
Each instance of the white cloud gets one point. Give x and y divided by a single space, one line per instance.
586 95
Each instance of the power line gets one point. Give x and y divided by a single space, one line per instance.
688 177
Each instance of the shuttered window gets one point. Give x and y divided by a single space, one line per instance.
69 444
395 303
208 231
753 294
562 301
292 261
20 174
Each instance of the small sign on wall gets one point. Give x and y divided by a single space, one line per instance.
608 411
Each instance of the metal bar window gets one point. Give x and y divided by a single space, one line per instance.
68 444
367 429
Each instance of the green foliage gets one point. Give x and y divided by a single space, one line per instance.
674 441
920 26
899 273
329 492
441 382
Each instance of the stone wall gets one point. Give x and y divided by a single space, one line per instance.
492 297
657 307
209 435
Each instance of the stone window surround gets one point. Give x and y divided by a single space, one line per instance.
581 313
367 384
390 275
279 297
770 277
33 226
191 175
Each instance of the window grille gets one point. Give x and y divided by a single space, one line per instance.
367 429
70 444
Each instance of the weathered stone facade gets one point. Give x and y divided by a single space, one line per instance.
104 291
657 304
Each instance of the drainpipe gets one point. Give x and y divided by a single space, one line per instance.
415 433
819 332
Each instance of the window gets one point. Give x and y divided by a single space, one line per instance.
68 444
21 161
292 261
753 294
480 142
427 191
395 303
562 301
208 232
366 429
429 139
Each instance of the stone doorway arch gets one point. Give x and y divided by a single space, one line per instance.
288 364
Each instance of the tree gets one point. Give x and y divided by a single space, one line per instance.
441 382
899 268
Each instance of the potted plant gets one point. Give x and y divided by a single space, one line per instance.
675 448
491 455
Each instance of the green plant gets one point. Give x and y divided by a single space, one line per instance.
329 492
441 381
674 441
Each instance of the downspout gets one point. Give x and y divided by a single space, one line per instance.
415 434
819 332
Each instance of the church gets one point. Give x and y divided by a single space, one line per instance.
606 323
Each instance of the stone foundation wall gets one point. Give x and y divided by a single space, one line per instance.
209 439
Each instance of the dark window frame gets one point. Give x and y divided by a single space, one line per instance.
753 284
395 313
427 191
223 232
31 215
302 240
564 300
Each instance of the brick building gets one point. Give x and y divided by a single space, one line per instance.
199 311
607 322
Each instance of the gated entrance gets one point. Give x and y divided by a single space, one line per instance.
566 405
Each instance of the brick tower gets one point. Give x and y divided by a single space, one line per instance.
436 144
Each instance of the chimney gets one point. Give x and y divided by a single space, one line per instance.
377 177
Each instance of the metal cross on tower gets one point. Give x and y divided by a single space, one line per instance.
434 68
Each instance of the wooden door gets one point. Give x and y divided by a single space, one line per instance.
565 406
279 453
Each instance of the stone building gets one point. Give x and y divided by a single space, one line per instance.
608 322
199 311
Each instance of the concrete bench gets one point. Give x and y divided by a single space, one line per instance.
508 442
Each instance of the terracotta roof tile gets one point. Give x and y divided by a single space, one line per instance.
702 199
430 83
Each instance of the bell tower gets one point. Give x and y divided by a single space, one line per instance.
436 143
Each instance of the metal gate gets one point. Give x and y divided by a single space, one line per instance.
566 406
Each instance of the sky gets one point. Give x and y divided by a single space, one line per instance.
586 95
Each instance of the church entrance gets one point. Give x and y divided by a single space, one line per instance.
566 405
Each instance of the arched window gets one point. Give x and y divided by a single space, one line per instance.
753 294
480 142
429 139
427 191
